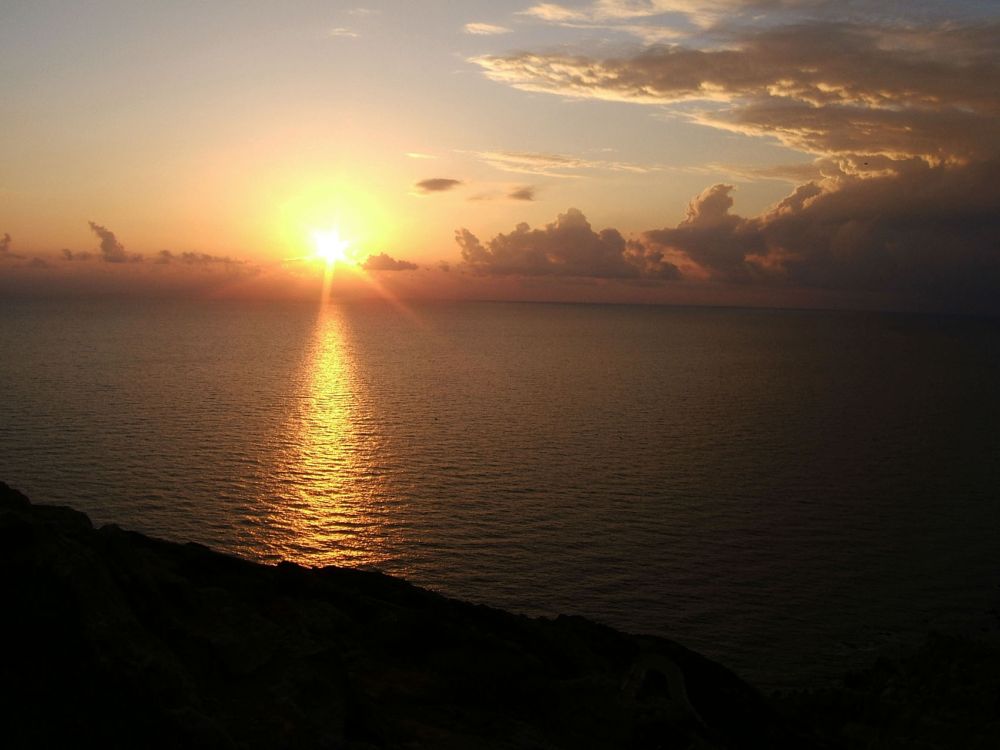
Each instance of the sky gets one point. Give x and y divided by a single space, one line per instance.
761 152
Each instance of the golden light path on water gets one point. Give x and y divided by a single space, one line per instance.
327 505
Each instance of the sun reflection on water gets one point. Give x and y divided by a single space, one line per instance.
328 505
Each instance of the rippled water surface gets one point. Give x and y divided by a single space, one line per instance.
783 491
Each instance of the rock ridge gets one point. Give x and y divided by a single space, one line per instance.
117 639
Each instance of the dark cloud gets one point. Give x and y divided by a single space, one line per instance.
6 255
385 262
112 251
566 247
194 259
923 235
526 193
929 233
5 252
76 255
437 185
37 263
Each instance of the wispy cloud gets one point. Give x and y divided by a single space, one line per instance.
485 29
555 165
340 31
824 88
419 155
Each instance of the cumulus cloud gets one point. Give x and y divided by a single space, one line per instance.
926 236
485 29
112 251
929 233
525 193
437 184
385 262
566 247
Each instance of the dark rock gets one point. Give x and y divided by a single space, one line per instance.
111 638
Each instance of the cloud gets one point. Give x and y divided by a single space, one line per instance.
611 13
112 251
554 165
566 247
822 87
687 16
526 193
902 120
340 31
794 173
5 252
928 233
195 259
485 29
437 185
77 255
419 155
923 237
385 262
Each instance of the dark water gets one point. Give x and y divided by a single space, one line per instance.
787 492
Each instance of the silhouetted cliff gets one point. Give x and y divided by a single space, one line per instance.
113 638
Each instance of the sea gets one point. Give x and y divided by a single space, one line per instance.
791 493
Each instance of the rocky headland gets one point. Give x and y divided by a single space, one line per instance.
111 638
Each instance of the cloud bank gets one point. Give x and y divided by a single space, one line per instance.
903 122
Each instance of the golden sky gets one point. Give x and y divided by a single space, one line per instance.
725 151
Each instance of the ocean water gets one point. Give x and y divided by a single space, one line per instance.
788 492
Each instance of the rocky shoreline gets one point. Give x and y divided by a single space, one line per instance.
118 639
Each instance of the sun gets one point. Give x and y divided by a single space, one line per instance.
330 246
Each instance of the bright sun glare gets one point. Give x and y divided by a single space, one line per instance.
330 246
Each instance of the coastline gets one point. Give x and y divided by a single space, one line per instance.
118 638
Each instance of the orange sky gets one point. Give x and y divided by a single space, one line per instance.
722 152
